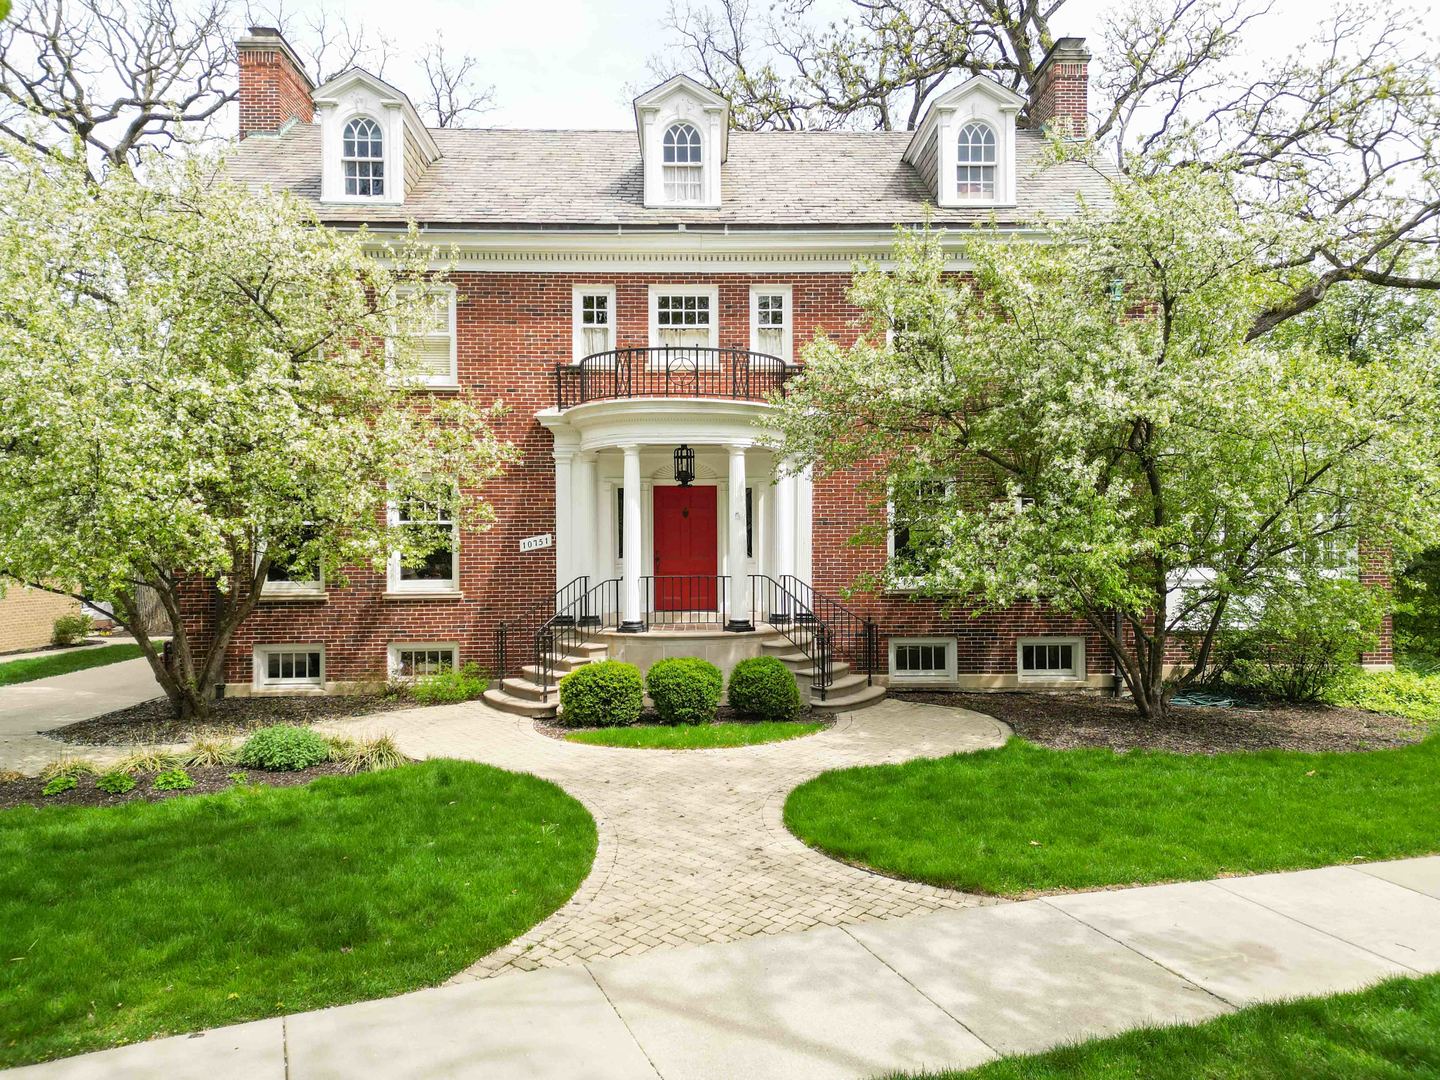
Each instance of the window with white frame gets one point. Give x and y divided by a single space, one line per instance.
594 321
923 659
975 161
914 541
289 666
363 157
289 576
683 318
770 320
1050 657
411 660
437 571
434 346
683 165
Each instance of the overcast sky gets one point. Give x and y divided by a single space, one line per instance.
575 63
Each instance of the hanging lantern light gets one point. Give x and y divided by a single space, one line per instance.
684 465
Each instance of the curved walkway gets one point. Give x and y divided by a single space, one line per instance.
693 849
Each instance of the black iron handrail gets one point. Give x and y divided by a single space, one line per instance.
582 619
671 371
685 599
852 637
774 604
514 638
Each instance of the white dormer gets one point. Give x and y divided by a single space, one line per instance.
684 138
964 148
374 143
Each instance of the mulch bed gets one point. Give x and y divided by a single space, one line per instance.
208 780
724 715
152 722
1067 721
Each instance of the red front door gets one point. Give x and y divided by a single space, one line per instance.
686 553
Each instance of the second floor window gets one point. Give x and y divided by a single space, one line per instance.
684 319
434 344
975 162
364 158
594 321
770 321
684 169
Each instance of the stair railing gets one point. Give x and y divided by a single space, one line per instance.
514 637
785 612
852 637
580 617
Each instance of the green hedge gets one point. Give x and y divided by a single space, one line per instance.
765 688
607 694
685 690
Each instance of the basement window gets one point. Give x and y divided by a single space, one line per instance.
410 660
289 666
923 659
1051 658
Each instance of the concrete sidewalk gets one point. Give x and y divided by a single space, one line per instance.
954 988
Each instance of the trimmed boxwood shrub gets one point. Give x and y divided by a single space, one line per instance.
284 748
605 694
685 689
764 688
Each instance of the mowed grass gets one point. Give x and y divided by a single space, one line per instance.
62 663
1021 818
1388 1032
694 736
128 922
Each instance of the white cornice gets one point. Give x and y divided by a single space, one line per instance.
829 250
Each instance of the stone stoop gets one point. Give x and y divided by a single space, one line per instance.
847 691
525 695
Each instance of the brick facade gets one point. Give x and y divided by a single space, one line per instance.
273 87
27 616
1061 90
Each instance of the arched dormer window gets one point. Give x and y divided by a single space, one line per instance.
684 168
975 161
363 156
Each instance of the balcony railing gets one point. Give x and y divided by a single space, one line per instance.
671 371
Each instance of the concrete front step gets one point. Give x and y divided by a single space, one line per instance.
509 703
525 688
859 698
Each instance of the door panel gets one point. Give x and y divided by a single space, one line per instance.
686 552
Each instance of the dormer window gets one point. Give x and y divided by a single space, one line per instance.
363 156
975 162
684 168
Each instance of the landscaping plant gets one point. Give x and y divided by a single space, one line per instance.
115 782
765 688
172 780
685 690
466 684
70 629
68 766
370 755
212 752
606 694
57 784
150 760
284 748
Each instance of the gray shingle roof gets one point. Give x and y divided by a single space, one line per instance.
495 177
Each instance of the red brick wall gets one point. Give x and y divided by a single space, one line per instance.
1375 569
272 91
1062 94
512 329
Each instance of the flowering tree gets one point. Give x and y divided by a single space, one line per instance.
1092 422
195 383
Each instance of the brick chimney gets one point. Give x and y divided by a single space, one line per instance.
1061 91
273 85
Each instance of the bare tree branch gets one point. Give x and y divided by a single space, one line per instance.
453 97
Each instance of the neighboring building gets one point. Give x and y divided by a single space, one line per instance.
27 617
630 295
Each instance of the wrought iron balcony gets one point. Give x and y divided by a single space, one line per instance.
671 371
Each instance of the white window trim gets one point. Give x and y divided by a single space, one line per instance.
787 291
451 380
1078 675
996 174
397 647
946 678
397 584
273 590
384 159
907 583
577 335
259 667
701 169
712 291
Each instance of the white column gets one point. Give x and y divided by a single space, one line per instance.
584 531
785 525
564 519
739 613
631 619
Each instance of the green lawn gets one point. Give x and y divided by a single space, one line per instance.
1022 818
1388 1031
61 663
693 736
146 919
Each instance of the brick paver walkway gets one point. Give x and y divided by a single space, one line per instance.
692 845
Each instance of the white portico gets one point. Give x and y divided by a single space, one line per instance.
683 552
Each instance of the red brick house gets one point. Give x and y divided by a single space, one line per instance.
633 296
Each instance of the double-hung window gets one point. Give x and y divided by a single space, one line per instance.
363 157
594 320
914 537
432 352
683 164
975 162
770 320
438 535
288 575
683 320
